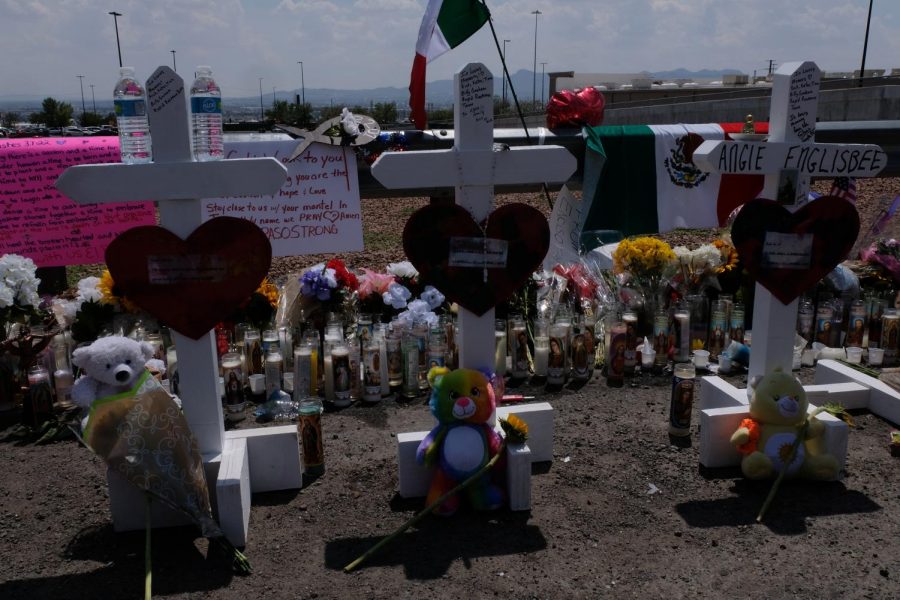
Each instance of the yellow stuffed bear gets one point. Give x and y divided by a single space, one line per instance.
778 408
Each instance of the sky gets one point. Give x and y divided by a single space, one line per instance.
357 44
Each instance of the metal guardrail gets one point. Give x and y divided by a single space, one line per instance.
884 133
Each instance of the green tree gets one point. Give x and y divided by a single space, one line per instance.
53 114
440 115
385 112
91 119
280 112
9 119
501 107
290 114
329 112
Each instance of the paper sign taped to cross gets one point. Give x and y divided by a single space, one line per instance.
316 210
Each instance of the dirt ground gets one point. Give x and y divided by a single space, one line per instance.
621 511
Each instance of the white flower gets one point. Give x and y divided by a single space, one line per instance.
88 290
402 269
330 277
348 123
6 297
18 281
65 311
418 307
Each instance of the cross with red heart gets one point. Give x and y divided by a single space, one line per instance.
427 240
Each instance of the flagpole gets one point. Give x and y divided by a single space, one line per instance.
515 97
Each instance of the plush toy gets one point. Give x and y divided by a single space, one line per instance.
462 401
111 365
778 408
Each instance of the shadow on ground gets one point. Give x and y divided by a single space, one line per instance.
795 502
428 552
181 564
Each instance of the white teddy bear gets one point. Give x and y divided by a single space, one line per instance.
111 365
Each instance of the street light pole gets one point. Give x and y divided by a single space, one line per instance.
543 64
302 83
174 68
262 116
862 67
503 72
115 16
534 67
81 83
273 97
93 99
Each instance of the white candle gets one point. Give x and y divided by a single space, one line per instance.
541 356
329 378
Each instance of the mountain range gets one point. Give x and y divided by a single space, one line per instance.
438 93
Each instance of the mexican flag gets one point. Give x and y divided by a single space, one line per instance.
446 25
641 178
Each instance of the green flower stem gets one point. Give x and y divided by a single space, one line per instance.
801 435
148 568
384 542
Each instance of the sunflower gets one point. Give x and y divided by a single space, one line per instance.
729 254
516 429
110 295
269 290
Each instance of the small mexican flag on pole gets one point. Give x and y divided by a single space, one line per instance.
446 25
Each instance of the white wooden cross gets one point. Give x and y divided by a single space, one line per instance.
789 154
178 184
474 168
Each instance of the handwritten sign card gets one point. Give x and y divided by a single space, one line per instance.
316 210
42 224
566 222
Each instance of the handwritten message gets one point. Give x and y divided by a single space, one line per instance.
475 88
164 87
850 160
802 100
566 222
42 224
316 210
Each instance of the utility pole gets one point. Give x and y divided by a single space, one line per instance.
543 64
862 67
503 72
536 13
771 67
93 99
81 83
115 16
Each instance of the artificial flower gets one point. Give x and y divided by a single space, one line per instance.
109 294
403 269
373 283
396 296
432 297
729 254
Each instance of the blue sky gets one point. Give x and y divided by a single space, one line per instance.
369 43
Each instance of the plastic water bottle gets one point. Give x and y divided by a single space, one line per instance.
131 118
206 117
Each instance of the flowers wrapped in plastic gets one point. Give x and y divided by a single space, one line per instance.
885 254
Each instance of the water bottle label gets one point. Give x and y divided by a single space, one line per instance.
206 105
130 108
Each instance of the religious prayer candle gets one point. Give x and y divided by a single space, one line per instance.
500 347
253 348
682 333
274 366
410 365
372 371
233 378
615 364
302 372
823 322
890 333
856 327
394 359
342 374
379 333
631 338
541 355
269 340
556 368
519 349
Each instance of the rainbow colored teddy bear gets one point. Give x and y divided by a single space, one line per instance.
463 441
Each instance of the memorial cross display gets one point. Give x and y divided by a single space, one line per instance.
178 184
474 167
788 158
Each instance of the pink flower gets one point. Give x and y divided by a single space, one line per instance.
374 283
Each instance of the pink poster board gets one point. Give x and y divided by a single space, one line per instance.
38 222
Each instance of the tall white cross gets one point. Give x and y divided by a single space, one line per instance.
474 168
179 184
787 159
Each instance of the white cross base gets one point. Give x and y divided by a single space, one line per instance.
240 461
789 150
473 167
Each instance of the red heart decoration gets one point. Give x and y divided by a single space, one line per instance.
426 241
575 109
190 285
825 230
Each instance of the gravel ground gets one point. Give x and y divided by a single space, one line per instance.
621 511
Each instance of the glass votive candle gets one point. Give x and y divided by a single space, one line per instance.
701 358
854 355
876 356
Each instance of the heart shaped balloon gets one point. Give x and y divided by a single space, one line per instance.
190 285
575 109
438 241
788 253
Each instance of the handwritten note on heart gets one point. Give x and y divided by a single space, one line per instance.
438 240
788 253
190 285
